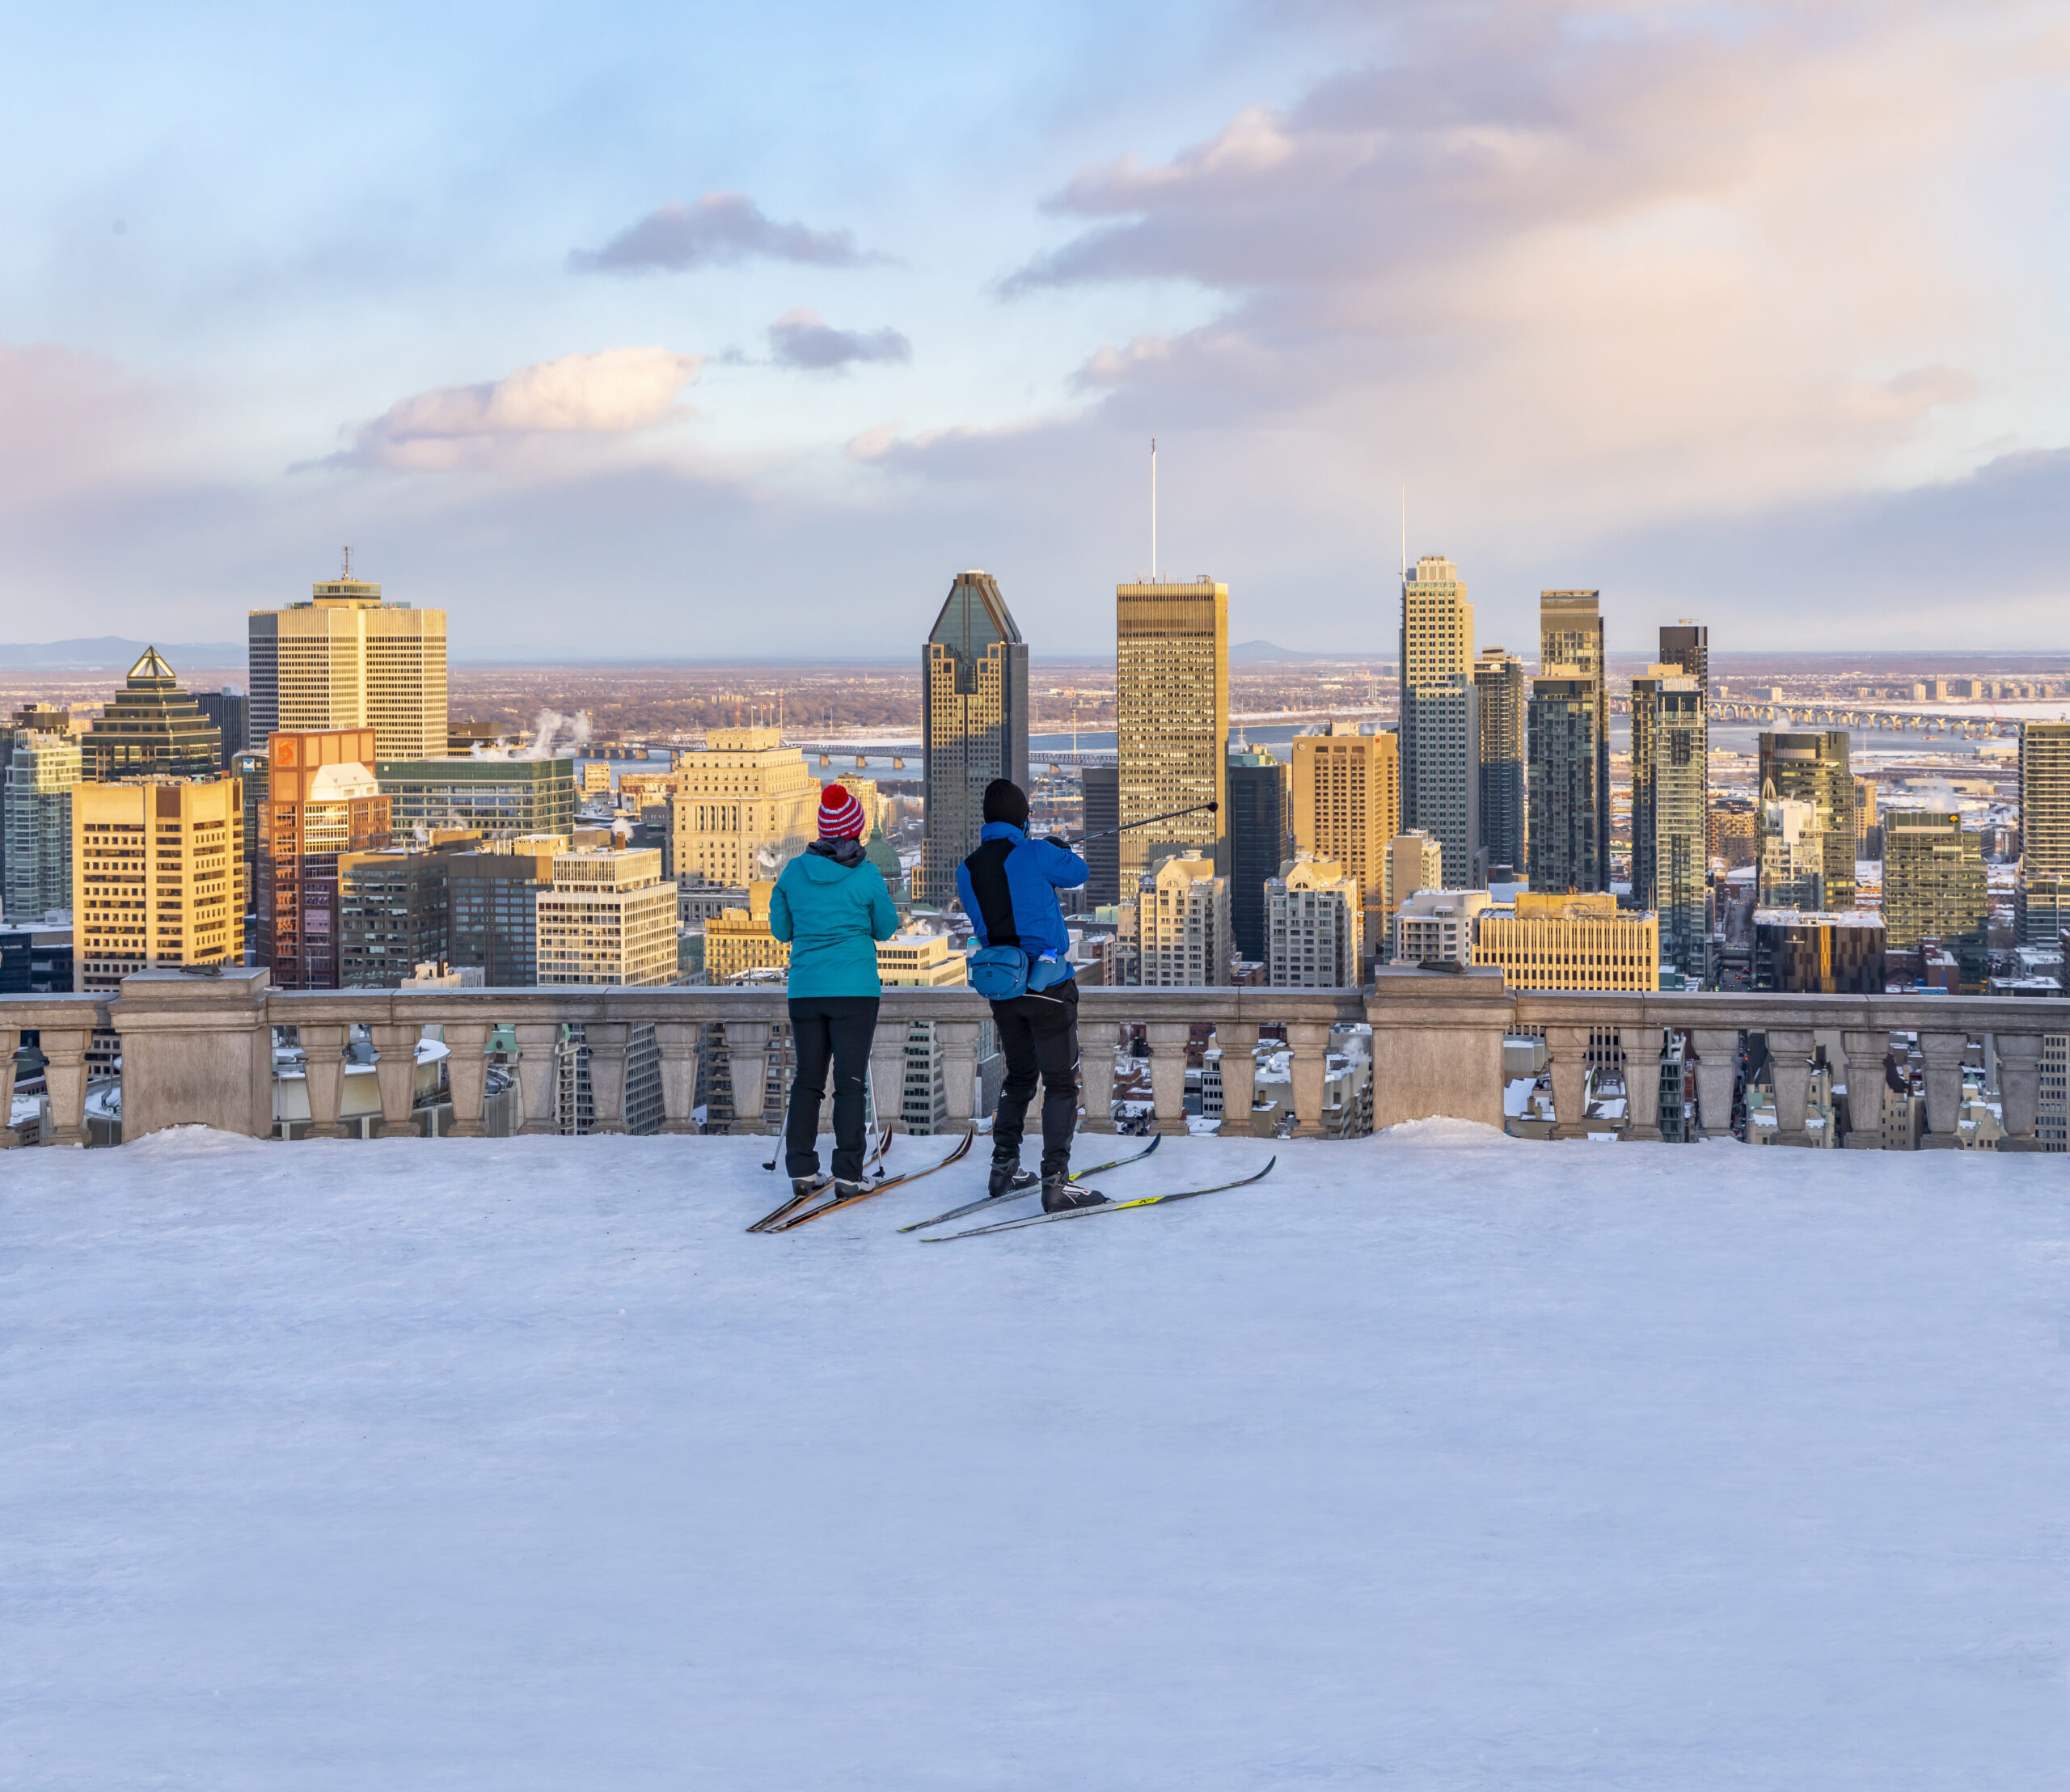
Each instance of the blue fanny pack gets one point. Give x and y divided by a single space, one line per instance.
1001 972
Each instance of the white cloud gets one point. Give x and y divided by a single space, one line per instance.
613 392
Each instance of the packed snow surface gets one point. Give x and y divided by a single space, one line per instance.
1436 1460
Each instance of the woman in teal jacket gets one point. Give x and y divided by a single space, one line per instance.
832 907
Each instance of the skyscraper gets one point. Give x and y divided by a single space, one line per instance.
157 875
1570 634
1172 710
1935 886
1498 677
1567 764
1347 808
37 772
346 659
1103 814
153 728
1257 843
742 807
2044 894
230 710
1441 717
1686 644
973 725
1813 768
1670 781
321 800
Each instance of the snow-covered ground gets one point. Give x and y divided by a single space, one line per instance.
1437 1460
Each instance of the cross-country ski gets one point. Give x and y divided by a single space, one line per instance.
986 1201
1110 1207
962 1150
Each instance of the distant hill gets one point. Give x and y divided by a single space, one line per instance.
113 653
1266 650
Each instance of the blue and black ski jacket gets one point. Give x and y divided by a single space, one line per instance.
1009 888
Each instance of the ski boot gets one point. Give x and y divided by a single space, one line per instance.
1060 1194
1008 1178
803 1186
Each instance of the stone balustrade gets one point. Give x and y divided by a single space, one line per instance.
198 1049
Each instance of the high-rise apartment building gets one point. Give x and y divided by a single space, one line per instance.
346 659
37 773
321 800
1315 917
1183 937
1790 871
1505 792
152 728
1102 785
1670 785
609 918
1578 940
1687 645
1441 717
1257 843
157 876
1171 711
1569 846
738 939
744 807
1570 634
973 725
1346 806
1935 886
2044 895
498 798
1415 861
1814 768
1437 927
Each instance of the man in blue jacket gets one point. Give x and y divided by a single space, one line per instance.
1009 888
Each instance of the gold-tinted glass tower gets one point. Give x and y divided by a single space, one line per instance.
1172 710
1571 635
1441 716
974 701
1347 803
345 659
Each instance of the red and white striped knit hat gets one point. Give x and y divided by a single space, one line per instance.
840 815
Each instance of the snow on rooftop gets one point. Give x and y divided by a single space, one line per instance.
1438 1460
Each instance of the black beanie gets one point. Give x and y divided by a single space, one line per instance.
1006 802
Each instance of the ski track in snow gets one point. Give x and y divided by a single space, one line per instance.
1437 1460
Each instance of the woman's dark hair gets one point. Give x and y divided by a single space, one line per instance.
1006 802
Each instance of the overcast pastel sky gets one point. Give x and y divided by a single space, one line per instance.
723 330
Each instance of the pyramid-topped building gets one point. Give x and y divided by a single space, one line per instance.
151 728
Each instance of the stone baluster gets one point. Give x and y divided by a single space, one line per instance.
1790 1064
1945 1053
1239 1041
1642 1080
1095 1075
607 1052
1168 1075
677 1041
1310 1042
1717 1067
2019 1088
1567 1048
1866 1052
888 1072
538 1073
959 1068
467 1074
395 1071
323 1076
10 1043
65 1082
747 1047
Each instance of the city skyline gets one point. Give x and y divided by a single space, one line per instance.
580 323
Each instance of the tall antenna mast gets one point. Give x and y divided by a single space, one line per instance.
347 570
1153 510
1405 534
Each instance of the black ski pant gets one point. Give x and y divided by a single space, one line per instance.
1038 1037
827 1030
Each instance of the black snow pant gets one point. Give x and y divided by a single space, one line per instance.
1038 1035
836 1029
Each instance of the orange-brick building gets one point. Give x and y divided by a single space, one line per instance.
321 800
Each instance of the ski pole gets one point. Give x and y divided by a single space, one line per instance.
1148 820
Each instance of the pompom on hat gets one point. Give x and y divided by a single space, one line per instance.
840 815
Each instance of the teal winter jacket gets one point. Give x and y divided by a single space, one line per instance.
833 915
